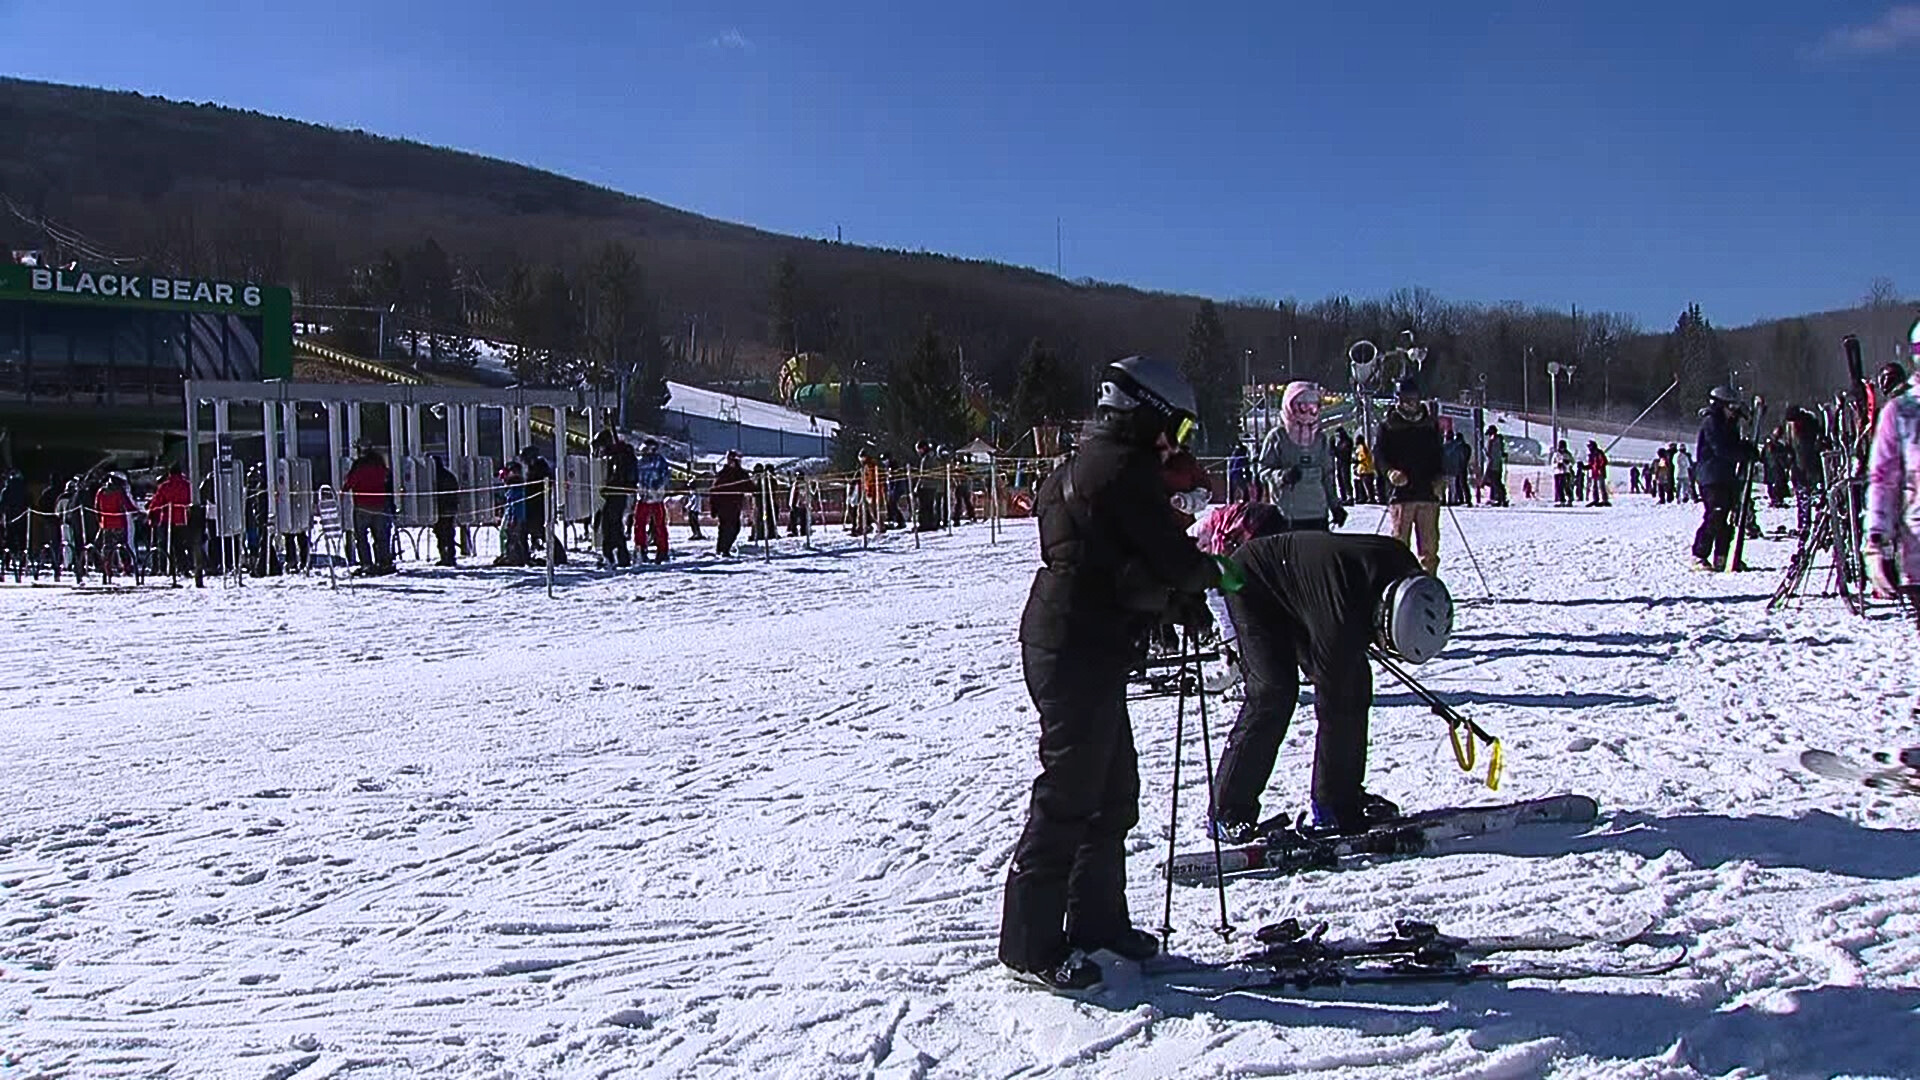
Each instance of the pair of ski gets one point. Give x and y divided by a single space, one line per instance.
1892 773
1283 849
1291 958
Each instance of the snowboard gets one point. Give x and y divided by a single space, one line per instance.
1887 773
1285 850
1418 953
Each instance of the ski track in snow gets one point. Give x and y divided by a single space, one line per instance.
751 818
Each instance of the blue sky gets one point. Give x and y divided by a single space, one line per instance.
1757 157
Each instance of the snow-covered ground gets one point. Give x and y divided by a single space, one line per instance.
752 818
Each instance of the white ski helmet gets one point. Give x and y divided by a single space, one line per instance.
1415 618
1141 380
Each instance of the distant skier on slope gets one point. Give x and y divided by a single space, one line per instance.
1316 601
1113 562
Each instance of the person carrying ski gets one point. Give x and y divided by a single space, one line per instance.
1406 453
651 477
1296 463
1721 455
1317 602
1113 563
1494 473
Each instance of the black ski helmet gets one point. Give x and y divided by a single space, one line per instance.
1136 381
1725 395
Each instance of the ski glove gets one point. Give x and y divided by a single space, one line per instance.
1290 477
1232 578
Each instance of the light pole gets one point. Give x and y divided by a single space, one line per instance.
1291 338
1246 374
1526 392
1555 370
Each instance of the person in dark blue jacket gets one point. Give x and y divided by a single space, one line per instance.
1721 453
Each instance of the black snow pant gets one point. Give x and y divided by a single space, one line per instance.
1715 536
1343 698
1067 887
613 531
1496 489
727 523
443 539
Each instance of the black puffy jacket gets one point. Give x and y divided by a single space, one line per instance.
1112 556
1412 447
1721 450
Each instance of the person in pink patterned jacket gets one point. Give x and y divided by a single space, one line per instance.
1893 496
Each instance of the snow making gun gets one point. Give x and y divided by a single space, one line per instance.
1463 734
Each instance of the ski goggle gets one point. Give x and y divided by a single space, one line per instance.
1182 429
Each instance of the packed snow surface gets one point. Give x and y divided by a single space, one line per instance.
751 818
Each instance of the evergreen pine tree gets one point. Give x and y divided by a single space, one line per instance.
1215 388
924 395
1041 394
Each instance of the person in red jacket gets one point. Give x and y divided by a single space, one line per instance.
1597 473
169 511
116 509
371 486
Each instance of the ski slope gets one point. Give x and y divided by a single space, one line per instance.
746 818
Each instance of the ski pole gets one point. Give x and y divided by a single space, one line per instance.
1608 449
1173 819
1475 559
1463 749
1192 675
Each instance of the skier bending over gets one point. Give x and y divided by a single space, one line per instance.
1317 601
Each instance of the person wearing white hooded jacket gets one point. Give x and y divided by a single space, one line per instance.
1296 465
1893 500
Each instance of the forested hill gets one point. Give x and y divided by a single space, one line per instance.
464 241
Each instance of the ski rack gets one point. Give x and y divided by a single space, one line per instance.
1461 732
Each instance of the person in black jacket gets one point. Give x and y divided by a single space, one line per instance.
1407 457
446 503
622 473
1113 563
1317 601
1717 464
537 474
1807 436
